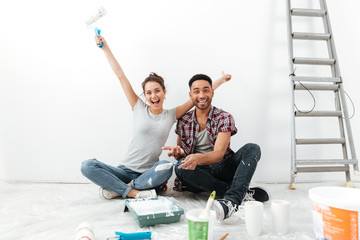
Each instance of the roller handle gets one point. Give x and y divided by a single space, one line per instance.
98 31
134 236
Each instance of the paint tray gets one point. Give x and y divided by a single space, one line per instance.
152 211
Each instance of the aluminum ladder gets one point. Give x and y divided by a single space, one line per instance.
311 83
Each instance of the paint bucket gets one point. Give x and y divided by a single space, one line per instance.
200 228
335 212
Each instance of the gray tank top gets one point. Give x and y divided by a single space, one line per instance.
202 143
149 134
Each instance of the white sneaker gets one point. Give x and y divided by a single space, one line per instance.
107 194
146 194
224 208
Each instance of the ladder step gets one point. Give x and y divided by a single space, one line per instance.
326 161
316 79
311 36
308 12
323 169
319 114
314 61
320 141
319 87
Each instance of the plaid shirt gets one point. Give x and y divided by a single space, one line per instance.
218 121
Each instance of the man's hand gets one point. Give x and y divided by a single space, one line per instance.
222 79
225 77
175 151
191 161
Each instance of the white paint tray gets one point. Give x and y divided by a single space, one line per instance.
152 211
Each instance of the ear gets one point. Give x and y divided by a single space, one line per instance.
212 92
190 94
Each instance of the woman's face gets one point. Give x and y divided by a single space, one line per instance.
155 96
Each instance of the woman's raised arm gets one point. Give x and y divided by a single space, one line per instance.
131 96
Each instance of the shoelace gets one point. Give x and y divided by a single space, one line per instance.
231 208
249 196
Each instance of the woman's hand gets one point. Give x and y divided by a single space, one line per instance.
100 39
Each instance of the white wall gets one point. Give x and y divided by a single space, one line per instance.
60 103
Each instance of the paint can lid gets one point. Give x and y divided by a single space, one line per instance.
337 197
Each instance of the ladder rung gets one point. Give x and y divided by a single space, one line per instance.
323 169
319 114
311 36
326 161
314 61
316 79
320 87
308 12
321 141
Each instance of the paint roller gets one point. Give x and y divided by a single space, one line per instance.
131 236
94 18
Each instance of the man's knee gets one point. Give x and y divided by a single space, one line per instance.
254 149
180 172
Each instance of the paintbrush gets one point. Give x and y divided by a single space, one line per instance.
224 236
166 166
206 211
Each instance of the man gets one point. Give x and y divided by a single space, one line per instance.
208 163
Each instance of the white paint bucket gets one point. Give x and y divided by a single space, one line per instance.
200 228
335 212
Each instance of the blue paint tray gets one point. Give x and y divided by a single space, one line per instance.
152 211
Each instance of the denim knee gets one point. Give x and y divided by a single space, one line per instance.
253 148
180 172
87 165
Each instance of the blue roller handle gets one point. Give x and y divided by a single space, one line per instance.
98 31
134 236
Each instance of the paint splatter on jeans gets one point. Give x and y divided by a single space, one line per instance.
230 178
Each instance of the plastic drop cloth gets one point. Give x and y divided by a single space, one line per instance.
53 211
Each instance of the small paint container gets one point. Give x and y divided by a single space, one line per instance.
200 228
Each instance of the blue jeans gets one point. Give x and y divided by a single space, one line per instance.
230 178
117 178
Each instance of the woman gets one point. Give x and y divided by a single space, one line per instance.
136 176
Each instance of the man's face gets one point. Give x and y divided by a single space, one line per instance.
201 94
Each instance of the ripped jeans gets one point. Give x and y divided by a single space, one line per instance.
117 178
230 178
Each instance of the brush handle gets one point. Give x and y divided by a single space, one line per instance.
98 31
208 205
205 212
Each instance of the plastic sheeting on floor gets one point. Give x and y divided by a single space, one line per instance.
53 211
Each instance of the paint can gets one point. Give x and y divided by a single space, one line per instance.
200 228
335 212
85 232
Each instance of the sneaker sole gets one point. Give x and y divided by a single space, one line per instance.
219 211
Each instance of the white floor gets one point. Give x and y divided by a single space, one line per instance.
53 211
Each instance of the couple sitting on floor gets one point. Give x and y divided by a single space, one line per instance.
203 147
